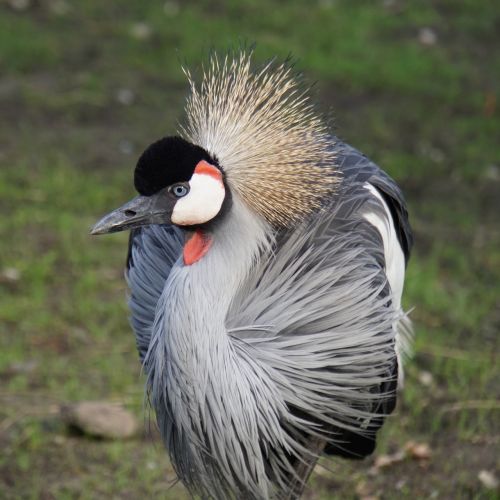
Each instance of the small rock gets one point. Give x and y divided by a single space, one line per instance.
492 173
19 4
427 37
126 147
425 378
326 4
59 440
488 479
10 275
125 97
141 31
393 6
171 8
101 419
59 7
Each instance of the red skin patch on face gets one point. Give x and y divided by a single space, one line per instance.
199 243
203 167
196 247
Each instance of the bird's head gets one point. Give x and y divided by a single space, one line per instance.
249 134
178 183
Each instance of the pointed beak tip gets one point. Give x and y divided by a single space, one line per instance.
137 212
101 227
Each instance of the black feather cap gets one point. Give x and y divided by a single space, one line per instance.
167 161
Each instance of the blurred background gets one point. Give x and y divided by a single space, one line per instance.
86 86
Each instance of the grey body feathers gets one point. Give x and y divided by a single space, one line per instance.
272 339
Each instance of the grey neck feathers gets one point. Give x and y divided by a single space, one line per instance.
208 410
199 295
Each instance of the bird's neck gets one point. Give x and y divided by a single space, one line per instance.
206 287
192 313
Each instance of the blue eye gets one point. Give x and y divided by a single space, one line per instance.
179 190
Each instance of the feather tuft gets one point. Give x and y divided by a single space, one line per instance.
260 124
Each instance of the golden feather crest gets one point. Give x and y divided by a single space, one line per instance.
261 126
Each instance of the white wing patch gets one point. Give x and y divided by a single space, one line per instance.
395 271
202 203
393 253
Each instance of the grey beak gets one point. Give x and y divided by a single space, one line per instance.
142 210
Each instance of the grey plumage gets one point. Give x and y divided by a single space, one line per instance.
293 337
153 250
266 293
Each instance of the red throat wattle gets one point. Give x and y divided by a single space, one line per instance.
196 247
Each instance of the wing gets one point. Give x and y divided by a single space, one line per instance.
320 313
359 170
385 209
153 250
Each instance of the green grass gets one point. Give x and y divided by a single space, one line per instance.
428 114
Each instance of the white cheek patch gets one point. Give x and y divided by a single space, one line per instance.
202 203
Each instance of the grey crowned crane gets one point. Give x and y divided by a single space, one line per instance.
266 266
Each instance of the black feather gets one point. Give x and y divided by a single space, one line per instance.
167 161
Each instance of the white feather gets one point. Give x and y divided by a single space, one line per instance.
394 269
202 203
393 253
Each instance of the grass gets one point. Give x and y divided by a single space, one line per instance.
427 113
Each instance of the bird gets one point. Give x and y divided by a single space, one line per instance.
266 265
